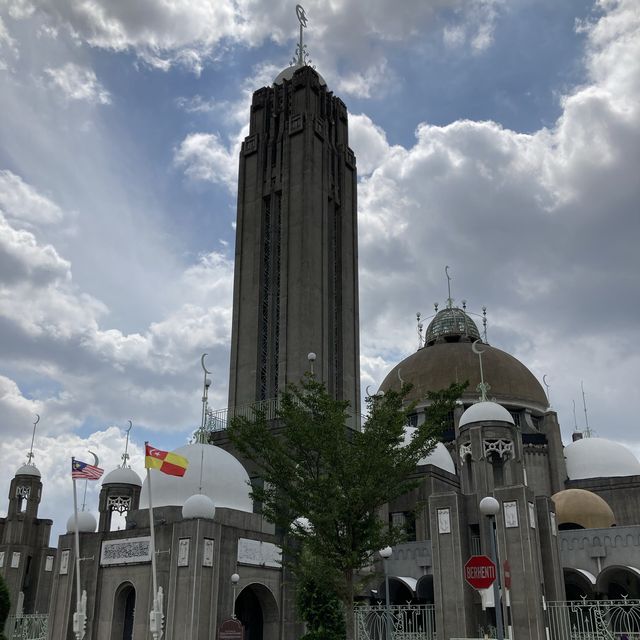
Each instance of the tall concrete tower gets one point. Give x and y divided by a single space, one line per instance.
296 260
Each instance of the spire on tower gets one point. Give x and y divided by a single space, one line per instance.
301 57
201 435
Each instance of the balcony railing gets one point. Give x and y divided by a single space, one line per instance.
31 626
218 419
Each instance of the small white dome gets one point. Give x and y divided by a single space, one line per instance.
599 458
86 523
439 457
198 506
122 475
224 480
485 412
28 470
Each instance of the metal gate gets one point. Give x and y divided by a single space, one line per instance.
595 620
398 622
27 627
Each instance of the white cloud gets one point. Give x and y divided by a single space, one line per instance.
78 83
205 157
534 223
21 203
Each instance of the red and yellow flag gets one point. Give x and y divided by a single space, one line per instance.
167 462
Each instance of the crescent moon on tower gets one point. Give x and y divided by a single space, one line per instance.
475 349
37 419
95 458
204 355
130 426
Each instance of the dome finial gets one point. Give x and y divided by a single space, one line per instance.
483 387
449 298
302 57
201 433
587 431
125 456
31 455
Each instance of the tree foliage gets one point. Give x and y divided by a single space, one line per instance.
315 466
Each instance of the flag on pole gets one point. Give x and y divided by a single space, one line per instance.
84 470
166 461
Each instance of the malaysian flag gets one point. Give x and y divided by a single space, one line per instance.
84 470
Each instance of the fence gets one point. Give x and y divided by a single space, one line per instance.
403 622
26 627
595 620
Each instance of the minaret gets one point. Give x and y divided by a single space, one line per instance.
296 260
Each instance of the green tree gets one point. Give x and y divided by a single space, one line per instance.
316 467
5 605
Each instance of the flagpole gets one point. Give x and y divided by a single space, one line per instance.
78 623
156 611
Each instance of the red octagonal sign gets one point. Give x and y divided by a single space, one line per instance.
480 572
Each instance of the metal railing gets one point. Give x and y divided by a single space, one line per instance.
32 626
218 419
595 620
404 622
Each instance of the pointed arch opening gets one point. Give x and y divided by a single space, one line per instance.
124 606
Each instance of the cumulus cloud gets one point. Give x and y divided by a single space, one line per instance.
535 222
75 82
21 203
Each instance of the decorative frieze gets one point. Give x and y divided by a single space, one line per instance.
501 446
444 521
257 552
64 562
183 552
127 551
510 509
207 554
121 504
465 450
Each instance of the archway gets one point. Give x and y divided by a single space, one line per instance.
424 589
578 584
617 582
257 609
401 590
124 605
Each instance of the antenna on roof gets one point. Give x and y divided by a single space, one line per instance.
125 456
587 431
31 455
483 387
449 299
575 421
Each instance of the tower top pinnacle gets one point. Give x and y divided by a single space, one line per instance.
301 57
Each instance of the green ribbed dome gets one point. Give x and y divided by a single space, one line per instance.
451 322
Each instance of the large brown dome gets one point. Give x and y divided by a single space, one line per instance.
436 366
580 508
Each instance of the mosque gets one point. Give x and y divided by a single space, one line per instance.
568 523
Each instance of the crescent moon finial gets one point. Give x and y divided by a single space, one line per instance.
130 426
95 458
475 349
400 377
546 384
37 419
30 455
369 394
204 355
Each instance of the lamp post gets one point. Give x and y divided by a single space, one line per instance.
235 578
385 554
489 507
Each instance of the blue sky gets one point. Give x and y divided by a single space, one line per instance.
500 138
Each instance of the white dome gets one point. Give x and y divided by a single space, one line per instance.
86 523
599 458
485 412
224 480
28 470
122 475
439 457
287 74
198 506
